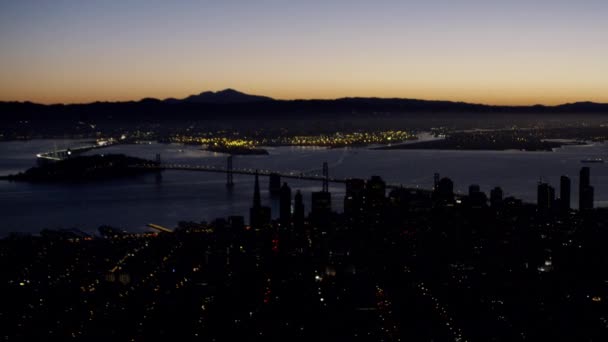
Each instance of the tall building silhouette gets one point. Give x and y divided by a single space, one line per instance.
436 179
585 190
285 205
545 196
257 199
274 183
354 200
298 210
375 193
585 176
496 197
375 200
564 193
320 213
444 194
259 216
477 198
325 177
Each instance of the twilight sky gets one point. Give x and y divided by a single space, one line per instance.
488 51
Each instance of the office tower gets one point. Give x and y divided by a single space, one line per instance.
444 195
585 190
355 187
354 199
285 205
496 197
473 188
564 193
446 187
259 216
321 202
586 198
436 178
229 173
477 198
585 176
375 192
274 184
257 199
320 213
545 196
298 210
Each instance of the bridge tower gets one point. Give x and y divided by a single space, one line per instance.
229 175
325 177
158 159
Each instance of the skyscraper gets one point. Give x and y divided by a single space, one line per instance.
436 178
477 198
354 200
585 177
496 197
257 200
274 183
545 196
585 190
375 193
586 198
298 210
259 216
285 205
320 213
564 193
444 194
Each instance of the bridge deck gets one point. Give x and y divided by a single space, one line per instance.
65 153
251 172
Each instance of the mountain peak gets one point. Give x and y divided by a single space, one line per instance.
228 95
229 91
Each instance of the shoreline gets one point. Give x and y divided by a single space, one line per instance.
447 145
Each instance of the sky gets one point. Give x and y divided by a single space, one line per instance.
514 52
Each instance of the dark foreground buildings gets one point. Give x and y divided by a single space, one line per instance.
564 193
398 265
585 190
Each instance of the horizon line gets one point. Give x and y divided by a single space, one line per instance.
76 102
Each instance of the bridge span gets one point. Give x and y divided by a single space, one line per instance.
58 155
249 171
324 178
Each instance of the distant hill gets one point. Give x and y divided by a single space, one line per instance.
224 96
584 107
231 104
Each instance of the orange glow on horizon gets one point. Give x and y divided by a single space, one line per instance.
520 98
502 53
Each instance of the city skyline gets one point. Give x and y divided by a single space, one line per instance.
516 53
321 170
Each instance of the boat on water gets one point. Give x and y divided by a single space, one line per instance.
592 160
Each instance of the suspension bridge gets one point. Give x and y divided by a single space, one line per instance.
230 171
